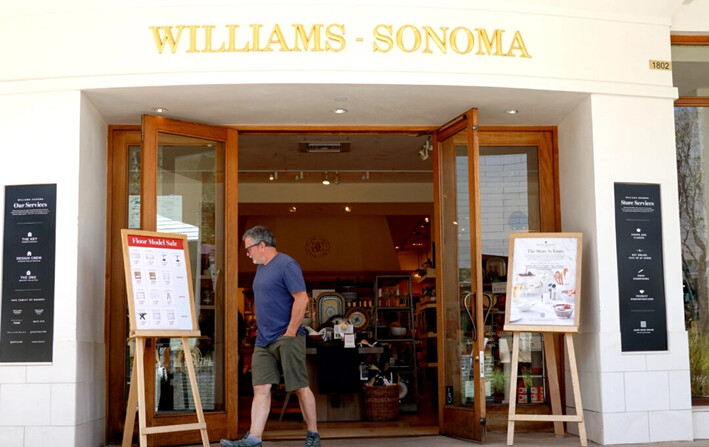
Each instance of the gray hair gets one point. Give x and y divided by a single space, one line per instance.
259 234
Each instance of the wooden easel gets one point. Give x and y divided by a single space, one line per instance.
142 251
550 351
136 395
559 256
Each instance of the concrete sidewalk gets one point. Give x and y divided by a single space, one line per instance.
494 440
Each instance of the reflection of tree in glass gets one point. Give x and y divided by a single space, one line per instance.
693 232
690 179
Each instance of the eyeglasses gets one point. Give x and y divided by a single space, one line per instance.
248 249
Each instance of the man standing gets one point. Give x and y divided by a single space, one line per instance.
280 301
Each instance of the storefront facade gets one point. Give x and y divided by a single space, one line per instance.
592 72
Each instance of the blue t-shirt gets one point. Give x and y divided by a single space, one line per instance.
274 285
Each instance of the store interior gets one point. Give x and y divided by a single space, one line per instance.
359 240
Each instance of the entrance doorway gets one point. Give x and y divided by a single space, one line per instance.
403 184
356 212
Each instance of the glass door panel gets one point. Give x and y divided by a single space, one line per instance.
188 178
509 203
190 201
459 281
460 347
489 184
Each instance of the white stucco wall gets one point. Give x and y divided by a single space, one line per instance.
113 46
90 292
627 397
40 140
691 18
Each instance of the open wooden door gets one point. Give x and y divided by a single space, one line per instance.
459 279
524 160
183 179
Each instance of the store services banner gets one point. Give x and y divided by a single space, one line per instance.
641 280
27 322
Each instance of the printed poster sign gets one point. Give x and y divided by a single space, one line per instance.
641 280
27 323
543 282
158 282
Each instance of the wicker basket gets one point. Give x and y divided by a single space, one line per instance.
381 402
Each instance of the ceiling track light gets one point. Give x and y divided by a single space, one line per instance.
425 150
299 175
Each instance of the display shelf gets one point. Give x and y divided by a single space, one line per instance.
394 308
424 307
427 335
429 275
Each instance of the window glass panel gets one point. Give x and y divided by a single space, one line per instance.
509 203
465 282
134 187
190 201
690 64
509 195
190 193
692 141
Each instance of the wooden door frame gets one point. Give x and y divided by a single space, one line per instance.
116 307
117 216
546 140
456 420
220 423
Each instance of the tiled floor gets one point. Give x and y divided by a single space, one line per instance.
494 440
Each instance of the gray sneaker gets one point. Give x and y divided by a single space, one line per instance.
243 442
312 439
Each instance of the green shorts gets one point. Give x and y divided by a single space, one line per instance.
285 355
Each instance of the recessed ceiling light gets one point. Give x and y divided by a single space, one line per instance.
293 209
348 209
512 111
339 110
159 109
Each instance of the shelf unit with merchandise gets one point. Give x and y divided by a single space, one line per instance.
394 330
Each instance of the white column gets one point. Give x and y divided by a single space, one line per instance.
628 397
60 138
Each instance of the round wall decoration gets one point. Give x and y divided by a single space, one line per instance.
359 317
317 246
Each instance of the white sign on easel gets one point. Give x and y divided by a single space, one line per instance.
543 295
160 305
160 283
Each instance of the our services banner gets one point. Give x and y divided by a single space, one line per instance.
27 322
641 282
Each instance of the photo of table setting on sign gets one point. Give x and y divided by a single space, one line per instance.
542 297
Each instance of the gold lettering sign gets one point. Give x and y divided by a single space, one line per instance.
319 37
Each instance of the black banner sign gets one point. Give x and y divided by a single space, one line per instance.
641 283
27 322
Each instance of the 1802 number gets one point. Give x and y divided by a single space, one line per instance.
660 65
